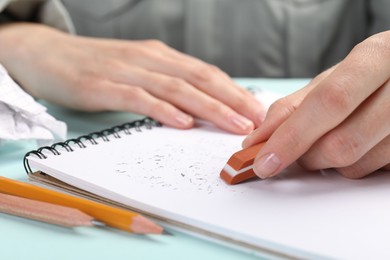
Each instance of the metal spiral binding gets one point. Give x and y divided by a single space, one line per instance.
105 134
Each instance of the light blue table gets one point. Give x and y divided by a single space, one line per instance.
25 239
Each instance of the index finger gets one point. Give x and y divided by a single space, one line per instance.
329 104
215 82
208 79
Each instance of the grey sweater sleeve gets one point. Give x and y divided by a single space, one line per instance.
50 12
16 11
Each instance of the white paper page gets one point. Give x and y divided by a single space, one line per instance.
175 174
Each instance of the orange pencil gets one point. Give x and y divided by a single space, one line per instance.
45 212
111 216
239 167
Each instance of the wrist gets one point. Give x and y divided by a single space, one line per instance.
15 40
10 41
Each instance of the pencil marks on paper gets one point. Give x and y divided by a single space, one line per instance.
179 165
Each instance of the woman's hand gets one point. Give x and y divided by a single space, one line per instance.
145 77
340 120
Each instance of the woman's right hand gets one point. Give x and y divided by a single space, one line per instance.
339 120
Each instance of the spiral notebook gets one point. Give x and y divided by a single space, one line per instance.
174 175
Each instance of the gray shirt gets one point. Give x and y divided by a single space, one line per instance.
259 38
262 38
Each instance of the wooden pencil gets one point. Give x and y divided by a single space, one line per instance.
111 216
45 212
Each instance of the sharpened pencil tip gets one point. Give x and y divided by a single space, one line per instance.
142 225
98 223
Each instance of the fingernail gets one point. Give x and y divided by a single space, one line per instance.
242 122
261 114
266 165
184 120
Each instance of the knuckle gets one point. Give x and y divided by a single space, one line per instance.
157 108
115 65
337 99
282 107
135 93
279 104
340 150
155 44
376 44
174 86
215 108
294 140
354 171
239 102
202 74
133 50
88 88
215 69
87 82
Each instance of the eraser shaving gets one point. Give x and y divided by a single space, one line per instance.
239 167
